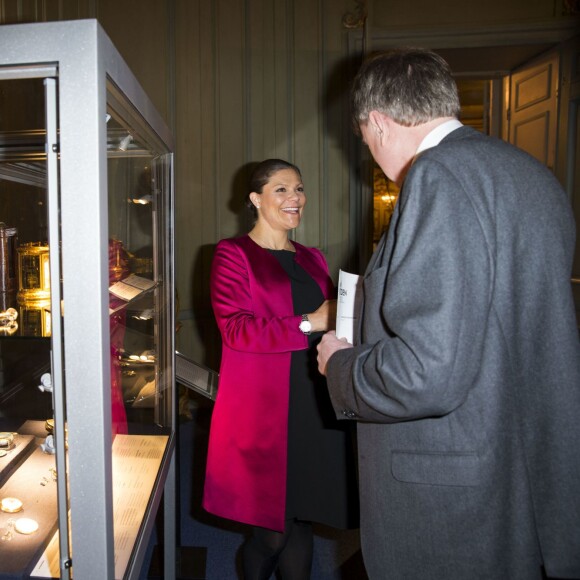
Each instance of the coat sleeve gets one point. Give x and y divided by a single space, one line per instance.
426 305
233 304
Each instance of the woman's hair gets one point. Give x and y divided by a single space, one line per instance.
261 175
410 85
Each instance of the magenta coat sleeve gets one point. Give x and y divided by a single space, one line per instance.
252 305
252 301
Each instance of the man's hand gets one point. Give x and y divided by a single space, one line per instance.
327 347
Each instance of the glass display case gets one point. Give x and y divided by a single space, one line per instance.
87 355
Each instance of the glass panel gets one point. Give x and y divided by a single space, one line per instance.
140 312
28 490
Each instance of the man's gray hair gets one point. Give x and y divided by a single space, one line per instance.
410 85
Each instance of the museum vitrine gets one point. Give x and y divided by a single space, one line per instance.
87 385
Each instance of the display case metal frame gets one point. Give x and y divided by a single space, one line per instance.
81 56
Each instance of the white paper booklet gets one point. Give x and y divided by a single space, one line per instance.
348 288
131 287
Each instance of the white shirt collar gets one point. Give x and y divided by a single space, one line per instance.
438 134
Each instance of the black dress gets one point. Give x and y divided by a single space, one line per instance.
321 480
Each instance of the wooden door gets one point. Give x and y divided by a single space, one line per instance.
533 109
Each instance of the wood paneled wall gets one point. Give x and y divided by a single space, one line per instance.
250 84
15 11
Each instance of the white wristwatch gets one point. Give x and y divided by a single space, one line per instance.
305 326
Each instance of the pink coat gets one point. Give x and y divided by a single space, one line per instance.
252 301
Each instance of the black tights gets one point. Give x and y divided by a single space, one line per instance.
290 552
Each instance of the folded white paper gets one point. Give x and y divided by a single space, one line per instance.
346 310
131 287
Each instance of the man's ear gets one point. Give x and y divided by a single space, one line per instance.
379 123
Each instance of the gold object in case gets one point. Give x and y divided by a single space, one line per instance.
6 440
35 317
33 272
10 505
8 243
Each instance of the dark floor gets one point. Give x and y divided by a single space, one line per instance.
336 552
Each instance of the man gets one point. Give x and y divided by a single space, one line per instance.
465 378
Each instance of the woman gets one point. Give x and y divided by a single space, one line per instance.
278 459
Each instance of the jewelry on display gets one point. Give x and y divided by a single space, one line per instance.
44 481
8 535
46 383
6 440
10 505
145 357
26 526
7 317
8 329
48 445
8 323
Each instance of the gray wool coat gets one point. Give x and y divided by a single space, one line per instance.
465 381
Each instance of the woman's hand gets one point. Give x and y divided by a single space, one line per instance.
324 318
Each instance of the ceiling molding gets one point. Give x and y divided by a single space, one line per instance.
544 32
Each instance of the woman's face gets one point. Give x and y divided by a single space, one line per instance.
281 201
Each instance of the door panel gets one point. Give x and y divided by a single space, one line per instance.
534 108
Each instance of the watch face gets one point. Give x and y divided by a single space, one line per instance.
305 326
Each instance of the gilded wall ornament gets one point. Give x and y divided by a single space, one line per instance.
356 18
